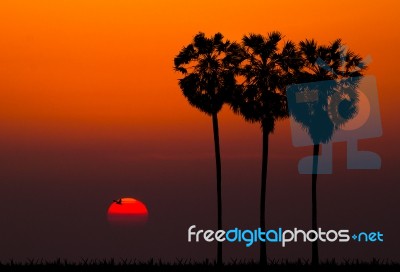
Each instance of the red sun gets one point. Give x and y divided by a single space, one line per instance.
127 211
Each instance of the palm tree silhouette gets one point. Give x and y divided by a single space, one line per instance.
209 66
331 75
260 97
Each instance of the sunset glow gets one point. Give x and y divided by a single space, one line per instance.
91 111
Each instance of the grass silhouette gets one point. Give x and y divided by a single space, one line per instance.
206 265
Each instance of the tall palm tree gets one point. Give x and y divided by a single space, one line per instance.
332 74
209 66
260 98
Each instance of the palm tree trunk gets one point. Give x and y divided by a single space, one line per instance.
264 171
315 257
219 191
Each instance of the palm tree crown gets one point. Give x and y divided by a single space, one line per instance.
331 74
209 66
265 73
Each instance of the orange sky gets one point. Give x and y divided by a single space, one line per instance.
96 67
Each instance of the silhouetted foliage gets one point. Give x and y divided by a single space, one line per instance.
328 84
331 74
209 66
260 98
252 77
266 71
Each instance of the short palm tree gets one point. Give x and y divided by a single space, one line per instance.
332 74
260 98
209 66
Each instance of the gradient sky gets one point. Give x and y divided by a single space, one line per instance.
90 111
